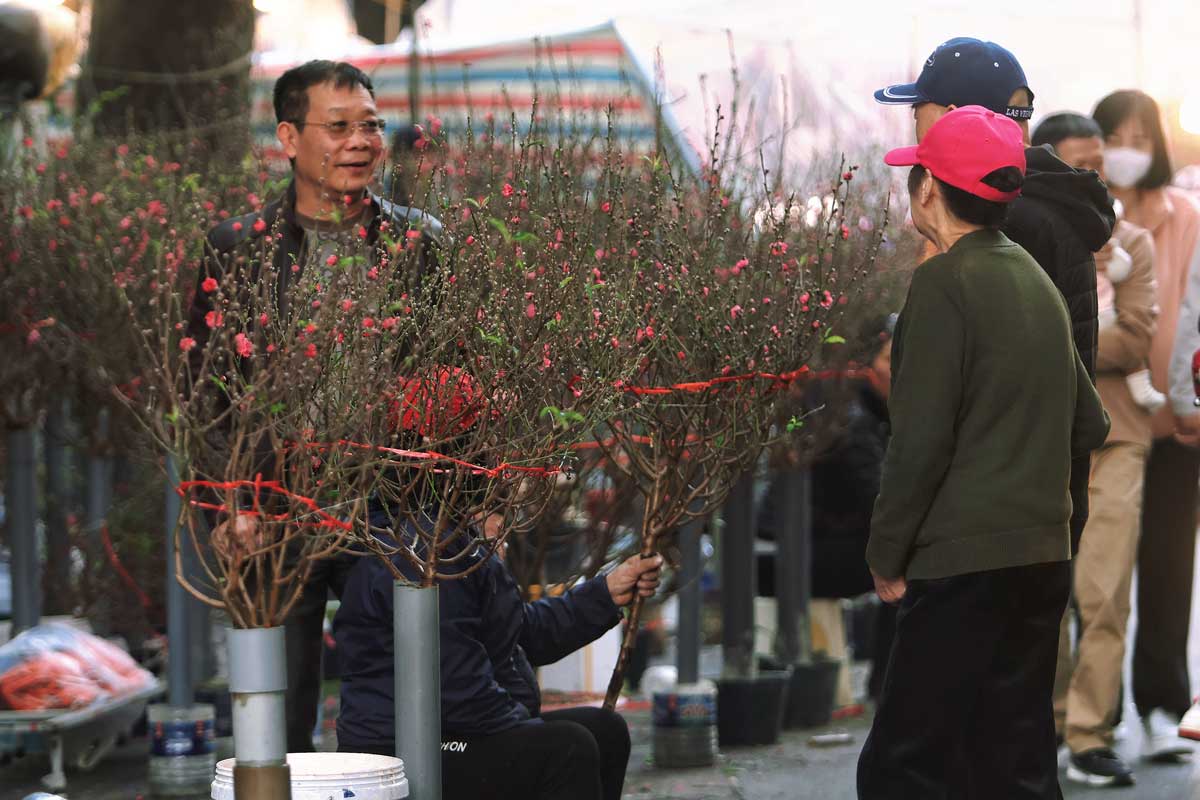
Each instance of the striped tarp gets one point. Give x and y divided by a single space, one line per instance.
581 74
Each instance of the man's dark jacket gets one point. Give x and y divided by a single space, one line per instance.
490 640
1062 217
242 237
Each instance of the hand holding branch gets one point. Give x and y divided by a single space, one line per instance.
637 572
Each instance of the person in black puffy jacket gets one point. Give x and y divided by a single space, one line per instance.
1063 215
496 742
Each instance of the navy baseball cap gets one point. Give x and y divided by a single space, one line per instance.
965 72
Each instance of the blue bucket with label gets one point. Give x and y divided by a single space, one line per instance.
685 726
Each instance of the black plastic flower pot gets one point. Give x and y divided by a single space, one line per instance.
750 710
810 694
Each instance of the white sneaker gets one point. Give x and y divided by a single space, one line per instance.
1161 741
1143 391
1189 726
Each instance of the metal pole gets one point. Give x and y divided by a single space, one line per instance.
737 580
257 683
99 495
202 663
22 530
58 544
793 577
179 678
414 76
804 562
393 11
687 655
418 688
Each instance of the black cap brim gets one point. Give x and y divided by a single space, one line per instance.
900 94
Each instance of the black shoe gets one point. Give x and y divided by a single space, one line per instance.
1099 767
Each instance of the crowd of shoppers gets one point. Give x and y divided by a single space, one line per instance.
1136 320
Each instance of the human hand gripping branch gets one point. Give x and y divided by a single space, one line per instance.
634 573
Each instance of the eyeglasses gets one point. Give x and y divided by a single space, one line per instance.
341 129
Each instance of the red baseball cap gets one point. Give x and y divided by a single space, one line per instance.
965 146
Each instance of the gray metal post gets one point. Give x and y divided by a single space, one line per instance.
57 591
738 580
418 689
179 678
258 683
99 497
21 498
687 640
793 572
804 564
202 664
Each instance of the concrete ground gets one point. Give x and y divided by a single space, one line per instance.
797 770
793 768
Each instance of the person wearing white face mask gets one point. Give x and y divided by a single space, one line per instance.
1138 170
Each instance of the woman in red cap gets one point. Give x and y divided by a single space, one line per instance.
970 533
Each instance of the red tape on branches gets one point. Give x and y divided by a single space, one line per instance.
325 520
123 573
778 379
429 455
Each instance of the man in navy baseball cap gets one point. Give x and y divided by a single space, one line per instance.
966 72
1063 215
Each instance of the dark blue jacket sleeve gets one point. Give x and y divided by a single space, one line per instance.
478 634
554 627
473 700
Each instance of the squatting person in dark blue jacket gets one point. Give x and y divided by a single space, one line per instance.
496 743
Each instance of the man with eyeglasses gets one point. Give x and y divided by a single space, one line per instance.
330 129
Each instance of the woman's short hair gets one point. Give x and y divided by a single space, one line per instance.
971 208
1128 104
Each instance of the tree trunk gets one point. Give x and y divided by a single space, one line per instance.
183 67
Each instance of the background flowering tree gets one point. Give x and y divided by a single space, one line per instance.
710 304
514 365
236 402
728 315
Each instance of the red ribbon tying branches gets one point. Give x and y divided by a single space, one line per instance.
429 455
325 520
123 573
777 379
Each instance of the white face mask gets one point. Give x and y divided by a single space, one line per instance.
1124 166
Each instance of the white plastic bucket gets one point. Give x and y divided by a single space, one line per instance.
331 776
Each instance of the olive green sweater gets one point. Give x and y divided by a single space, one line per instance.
989 403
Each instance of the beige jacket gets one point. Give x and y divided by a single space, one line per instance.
1125 346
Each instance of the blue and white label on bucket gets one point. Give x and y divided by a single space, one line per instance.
182 738
673 710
